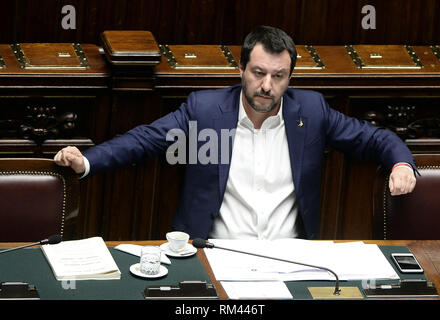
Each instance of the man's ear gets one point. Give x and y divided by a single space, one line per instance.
241 69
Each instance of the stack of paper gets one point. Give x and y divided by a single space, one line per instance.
87 259
350 261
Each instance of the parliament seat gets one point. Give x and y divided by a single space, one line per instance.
37 197
411 216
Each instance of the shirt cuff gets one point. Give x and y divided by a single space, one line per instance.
87 168
403 164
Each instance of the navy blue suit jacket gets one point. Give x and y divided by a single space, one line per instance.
310 124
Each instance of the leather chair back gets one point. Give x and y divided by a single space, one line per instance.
36 199
411 216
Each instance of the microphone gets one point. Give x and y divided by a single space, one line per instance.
54 239
200 243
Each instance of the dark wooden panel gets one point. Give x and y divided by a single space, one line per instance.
112 97
129 193
43 110
325 22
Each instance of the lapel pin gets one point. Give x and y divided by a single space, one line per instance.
300 123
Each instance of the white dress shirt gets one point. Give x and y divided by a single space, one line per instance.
259 200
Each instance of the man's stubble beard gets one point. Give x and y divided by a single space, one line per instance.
251 102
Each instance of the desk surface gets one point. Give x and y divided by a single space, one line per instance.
427 252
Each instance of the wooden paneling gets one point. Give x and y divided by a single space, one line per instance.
319 22
131 83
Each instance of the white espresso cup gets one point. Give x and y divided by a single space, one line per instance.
177 240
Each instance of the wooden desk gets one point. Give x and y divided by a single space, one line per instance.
427 253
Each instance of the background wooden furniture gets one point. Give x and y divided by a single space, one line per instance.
56 98
124 88
318 22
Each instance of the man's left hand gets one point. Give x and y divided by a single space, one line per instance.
402 181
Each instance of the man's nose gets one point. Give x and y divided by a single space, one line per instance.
266 84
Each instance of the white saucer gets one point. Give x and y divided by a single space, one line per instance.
135 269
187 252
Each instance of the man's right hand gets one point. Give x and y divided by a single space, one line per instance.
70 157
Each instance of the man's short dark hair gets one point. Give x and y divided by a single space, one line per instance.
274 40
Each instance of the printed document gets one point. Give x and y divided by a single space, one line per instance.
87 259
350 261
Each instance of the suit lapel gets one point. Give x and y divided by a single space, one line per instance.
227 120
296 126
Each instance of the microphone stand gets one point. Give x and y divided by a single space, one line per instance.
336 292
54 239
316 292
25 246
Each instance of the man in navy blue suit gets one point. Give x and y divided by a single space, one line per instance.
253 168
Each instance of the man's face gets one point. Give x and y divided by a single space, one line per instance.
265 79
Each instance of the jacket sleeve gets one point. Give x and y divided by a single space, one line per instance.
140 143
361 139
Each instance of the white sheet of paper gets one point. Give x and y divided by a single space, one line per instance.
350 261
256 290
